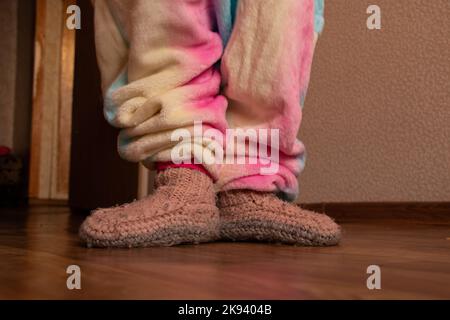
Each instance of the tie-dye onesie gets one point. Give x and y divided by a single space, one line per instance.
166 65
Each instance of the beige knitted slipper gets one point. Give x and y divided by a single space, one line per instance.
181 210
262 216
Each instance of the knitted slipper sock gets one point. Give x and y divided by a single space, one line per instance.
181 210
262 216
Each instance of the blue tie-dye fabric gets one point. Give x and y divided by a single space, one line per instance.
318 15
225 13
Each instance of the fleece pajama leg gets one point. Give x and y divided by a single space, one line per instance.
158 64
159 68
162 64
265 71
159 73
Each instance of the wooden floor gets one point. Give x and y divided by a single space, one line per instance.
37 245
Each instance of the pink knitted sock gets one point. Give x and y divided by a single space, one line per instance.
262 216
181 210
160 166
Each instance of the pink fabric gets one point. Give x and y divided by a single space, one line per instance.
4 151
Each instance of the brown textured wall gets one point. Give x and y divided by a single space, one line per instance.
8 45
377 117
16 71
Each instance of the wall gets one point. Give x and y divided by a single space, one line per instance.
376 122
8 43
16 63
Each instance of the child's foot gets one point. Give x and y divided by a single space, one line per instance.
251 215
181 210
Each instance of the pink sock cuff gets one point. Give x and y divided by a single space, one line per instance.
160 166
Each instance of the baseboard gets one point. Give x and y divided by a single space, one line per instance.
423 211
47 202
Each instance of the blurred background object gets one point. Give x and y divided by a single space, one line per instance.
11 178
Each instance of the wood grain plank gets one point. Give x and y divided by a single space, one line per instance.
60 181
38 91
52 102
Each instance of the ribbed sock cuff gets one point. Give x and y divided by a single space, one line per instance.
161 166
